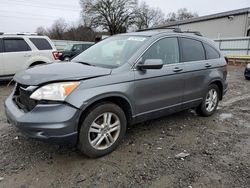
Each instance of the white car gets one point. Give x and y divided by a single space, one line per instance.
21 51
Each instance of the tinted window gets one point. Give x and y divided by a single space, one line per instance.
211 52
15 45
1 46
41 44
77 47
192 50
166 49
86 46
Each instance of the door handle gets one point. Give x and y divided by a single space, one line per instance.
208 65
177 69
27 55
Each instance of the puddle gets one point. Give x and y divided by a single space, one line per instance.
225 116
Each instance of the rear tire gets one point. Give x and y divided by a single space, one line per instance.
102 130
66 58
210 101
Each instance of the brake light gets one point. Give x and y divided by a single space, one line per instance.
55 55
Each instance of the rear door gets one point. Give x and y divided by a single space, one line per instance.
160 90
44 49
16 53
1 58
196 70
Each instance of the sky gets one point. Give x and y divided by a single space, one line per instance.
27 15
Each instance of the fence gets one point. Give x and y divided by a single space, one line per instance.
61 44
234 46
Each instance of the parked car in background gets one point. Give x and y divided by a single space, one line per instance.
247 72
124 79
21 51
73 50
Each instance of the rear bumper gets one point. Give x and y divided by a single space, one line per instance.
52 122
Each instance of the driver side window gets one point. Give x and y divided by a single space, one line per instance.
166 49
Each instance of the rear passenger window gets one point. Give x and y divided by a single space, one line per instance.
192 50
1 46
211 52
166 49
41 44
15 45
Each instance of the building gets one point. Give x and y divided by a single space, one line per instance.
235 23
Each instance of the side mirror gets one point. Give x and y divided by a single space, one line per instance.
151 64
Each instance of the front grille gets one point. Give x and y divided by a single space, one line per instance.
22 98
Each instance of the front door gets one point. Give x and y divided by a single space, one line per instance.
160 90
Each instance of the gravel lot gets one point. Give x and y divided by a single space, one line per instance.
219 148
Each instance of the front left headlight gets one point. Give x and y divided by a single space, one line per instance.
54 91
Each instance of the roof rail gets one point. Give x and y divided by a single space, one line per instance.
21 33
174 29
194 32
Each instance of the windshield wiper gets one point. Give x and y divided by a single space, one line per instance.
84 63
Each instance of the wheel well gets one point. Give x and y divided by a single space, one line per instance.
121 102
37 63
220 86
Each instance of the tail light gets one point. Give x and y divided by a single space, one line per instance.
55 55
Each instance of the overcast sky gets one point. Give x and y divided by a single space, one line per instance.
27 15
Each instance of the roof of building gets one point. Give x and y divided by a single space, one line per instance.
209 17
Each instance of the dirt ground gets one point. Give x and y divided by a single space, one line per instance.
219 148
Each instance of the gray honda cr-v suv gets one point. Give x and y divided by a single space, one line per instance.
125 79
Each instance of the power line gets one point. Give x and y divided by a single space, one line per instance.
39 2
46 7
27 17
29 14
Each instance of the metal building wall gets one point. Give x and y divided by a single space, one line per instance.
221 27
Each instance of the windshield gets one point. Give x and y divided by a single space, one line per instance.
68 47
111 52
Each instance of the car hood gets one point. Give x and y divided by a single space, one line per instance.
59 72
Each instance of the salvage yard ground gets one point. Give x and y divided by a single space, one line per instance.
219 148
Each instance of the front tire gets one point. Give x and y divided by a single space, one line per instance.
210 101
102 130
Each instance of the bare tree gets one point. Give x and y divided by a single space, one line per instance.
58 29
80 33
148 17
181 14
41 31
113 15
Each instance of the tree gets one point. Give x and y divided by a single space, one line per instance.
80 33
113 15
148 17
58 29
181 14
41 31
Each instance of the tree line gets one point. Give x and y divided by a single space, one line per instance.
112 16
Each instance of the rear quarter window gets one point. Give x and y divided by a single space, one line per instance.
211 52
192 50
15 45
41 43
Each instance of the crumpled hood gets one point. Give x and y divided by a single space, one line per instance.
59 72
